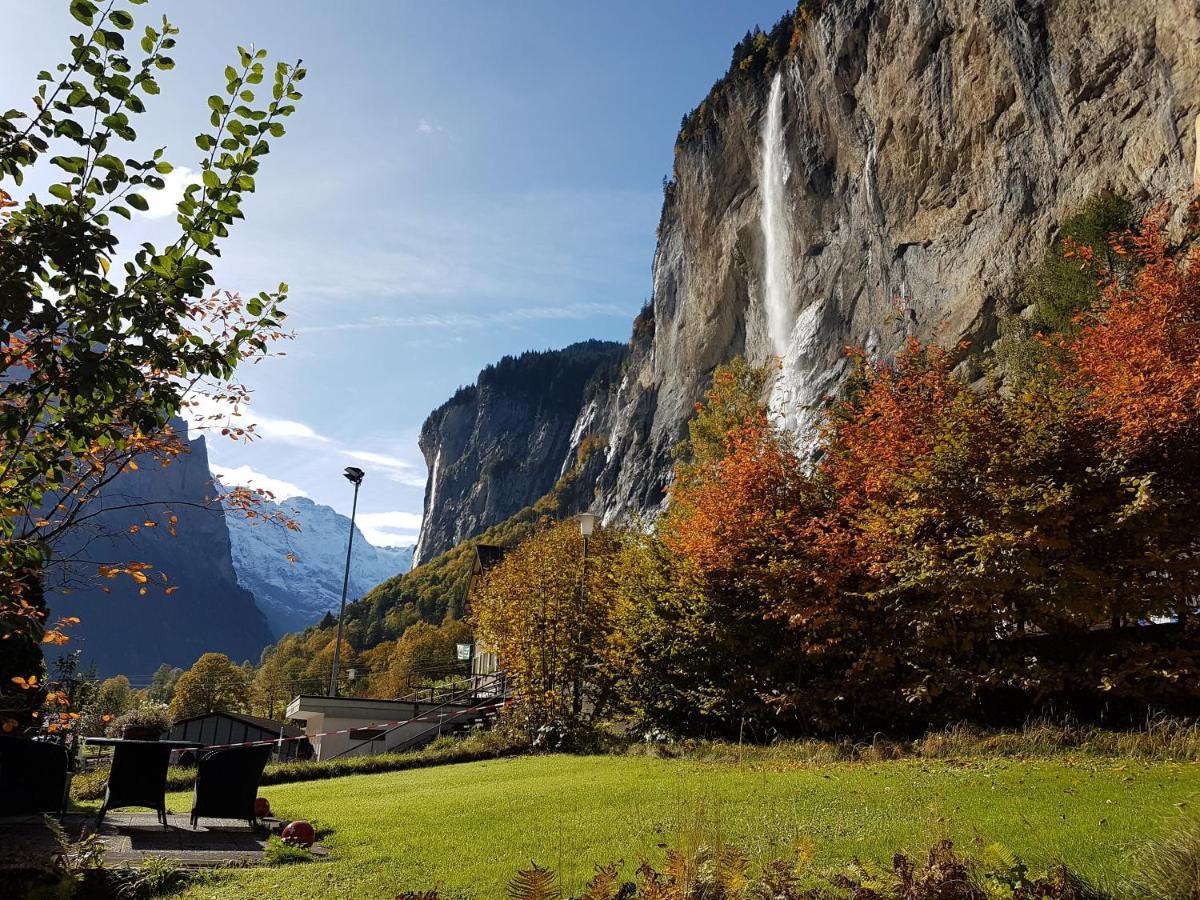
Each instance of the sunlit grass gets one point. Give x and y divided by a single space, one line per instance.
467 828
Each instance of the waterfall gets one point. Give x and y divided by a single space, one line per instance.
797 336
777 242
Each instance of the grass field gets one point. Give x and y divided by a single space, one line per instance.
467 828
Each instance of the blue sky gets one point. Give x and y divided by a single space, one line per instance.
461 181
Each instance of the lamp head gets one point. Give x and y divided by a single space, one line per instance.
587 523
354 474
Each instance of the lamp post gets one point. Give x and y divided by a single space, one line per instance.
587 524
354 475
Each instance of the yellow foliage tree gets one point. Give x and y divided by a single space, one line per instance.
548 615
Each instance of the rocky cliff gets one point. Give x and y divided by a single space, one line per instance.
125 630
925 153
498 445
296 592
870 169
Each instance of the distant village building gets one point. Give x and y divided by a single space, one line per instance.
339 727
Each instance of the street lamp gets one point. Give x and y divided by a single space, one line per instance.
355 476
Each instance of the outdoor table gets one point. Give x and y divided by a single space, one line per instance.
138 776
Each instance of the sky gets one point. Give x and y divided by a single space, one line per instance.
460 182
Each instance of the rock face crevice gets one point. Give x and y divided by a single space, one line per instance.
930 148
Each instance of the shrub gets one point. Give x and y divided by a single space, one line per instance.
143 716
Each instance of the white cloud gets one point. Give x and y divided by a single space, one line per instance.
287 430
426 127
163 202
206 414
390 529
480 320
244 476
394 468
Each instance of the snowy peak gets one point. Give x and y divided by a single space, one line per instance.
296 576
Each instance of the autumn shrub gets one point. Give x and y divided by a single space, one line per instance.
726 872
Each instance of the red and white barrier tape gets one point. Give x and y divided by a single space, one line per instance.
426 718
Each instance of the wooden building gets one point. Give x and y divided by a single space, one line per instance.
235 728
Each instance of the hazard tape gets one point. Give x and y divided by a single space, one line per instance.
441 717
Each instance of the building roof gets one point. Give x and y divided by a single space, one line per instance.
269 725
488 556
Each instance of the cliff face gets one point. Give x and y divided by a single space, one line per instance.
500 444
920 158
294 595
124 631
874 169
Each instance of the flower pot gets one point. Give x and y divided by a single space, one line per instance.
141 733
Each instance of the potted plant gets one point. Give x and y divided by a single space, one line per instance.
146 723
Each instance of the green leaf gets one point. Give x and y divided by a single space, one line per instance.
83 11
110 162
215 103
164 63
121 19
73 164
211 179
61 191
137 201
163 168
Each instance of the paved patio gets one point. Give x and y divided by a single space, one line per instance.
131 837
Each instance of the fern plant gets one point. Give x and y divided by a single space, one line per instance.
534 883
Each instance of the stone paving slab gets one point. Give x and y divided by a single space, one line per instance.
131 837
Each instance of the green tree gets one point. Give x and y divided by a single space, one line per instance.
95 363
162 683
213 684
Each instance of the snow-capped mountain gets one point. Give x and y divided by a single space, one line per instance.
295 594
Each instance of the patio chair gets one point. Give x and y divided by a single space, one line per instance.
137 777
227 783
33 776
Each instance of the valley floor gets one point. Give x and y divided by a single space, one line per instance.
467 828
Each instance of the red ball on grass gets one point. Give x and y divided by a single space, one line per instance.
301 833
262 807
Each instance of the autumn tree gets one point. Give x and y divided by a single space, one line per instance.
424 654
731 535
213 684
100 346
547 613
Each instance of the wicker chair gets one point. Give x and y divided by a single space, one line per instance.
138 777
33 777
227 783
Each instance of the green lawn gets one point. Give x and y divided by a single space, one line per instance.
466 828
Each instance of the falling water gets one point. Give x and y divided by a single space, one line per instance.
795 328
777 244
